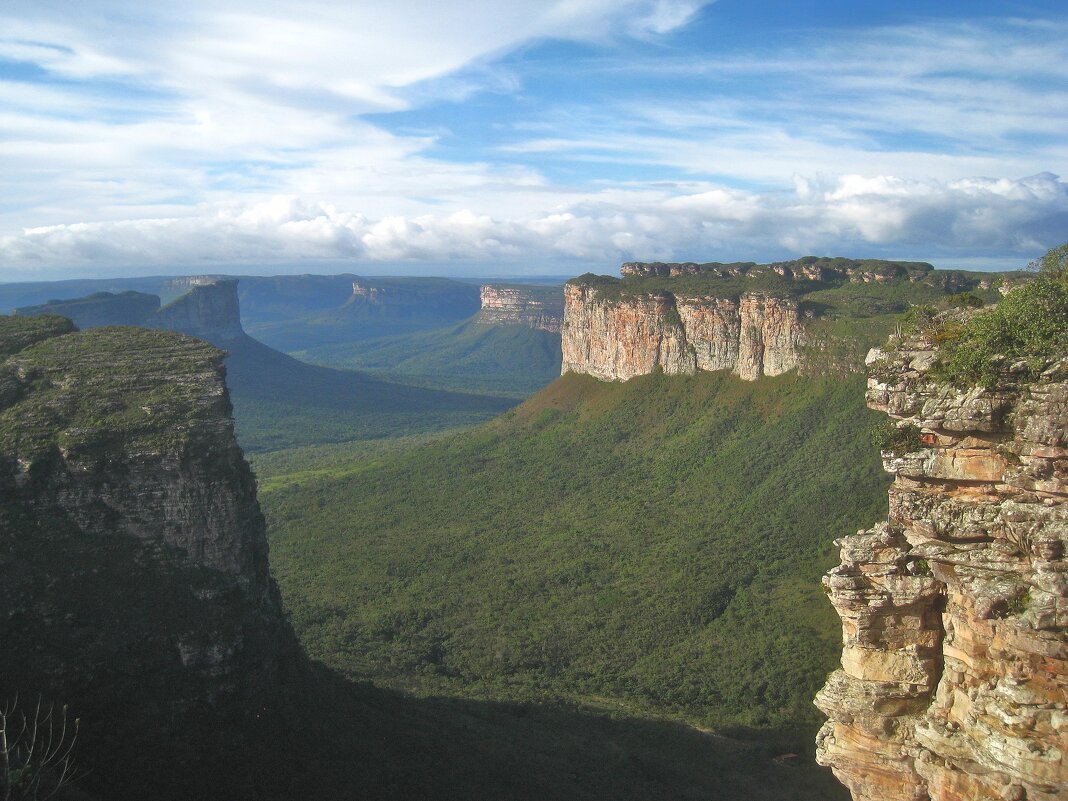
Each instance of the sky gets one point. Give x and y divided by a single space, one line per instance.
553 137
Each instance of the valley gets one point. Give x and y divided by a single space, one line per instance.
601 581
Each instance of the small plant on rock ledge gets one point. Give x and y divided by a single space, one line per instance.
899 440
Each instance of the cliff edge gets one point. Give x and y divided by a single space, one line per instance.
133 555
954 676
617 338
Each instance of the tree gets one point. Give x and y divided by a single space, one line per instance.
36 751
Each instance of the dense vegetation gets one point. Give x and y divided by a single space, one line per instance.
510 359
653 546
1024 329
74 392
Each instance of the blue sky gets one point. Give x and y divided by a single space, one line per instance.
530 137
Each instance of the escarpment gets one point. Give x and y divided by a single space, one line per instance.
134 576
210 311
954 676
540 308
815 314
616 338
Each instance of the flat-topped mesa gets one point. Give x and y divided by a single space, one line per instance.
954 677
540 308
209 310
174 288
617 338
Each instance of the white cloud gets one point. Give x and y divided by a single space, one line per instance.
961 218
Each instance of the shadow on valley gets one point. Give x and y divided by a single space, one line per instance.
357 741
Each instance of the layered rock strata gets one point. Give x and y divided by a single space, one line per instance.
954 677
618 337
539 308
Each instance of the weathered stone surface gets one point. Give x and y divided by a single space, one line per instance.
540 308
954 679
616 338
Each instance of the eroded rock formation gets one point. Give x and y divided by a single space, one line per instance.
618 337
540 308
954 677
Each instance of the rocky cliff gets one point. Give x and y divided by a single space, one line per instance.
540 308
618 337
134 578
210 310
954 677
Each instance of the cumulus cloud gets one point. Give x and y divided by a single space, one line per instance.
977 216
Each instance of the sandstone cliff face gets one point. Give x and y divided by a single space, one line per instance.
539 308
954 677
210 310
134 577
616 338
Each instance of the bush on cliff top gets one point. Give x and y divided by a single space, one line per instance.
1029 325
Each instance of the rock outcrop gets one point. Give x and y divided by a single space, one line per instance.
540 308
954 677
618 337
134 576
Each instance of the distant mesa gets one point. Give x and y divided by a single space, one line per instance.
752 319
540 308
208 309
100 308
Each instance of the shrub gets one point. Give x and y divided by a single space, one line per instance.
897 439
1029 325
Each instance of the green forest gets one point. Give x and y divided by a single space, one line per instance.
651 548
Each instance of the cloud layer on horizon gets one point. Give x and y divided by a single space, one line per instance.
884 215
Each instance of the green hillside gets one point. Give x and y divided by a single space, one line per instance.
280 402
652 547
512 359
